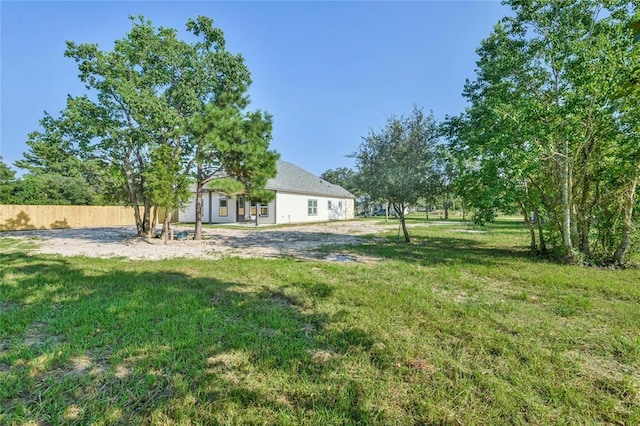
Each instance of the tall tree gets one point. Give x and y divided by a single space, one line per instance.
629 96
147 99
232 144
168 185
54 158
539 124
396 163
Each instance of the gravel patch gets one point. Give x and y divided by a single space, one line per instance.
301 241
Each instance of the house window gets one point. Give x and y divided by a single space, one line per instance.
223 210
339 205
264 209
312 207
329 205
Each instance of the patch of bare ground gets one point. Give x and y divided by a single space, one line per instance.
604 368
322 356
300 241
97 367
421 364
609 374
37 335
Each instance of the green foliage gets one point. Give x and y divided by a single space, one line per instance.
55 158
231 186
53 189
51 151
540 135
344 177
160 111
233 144
631 88
7 183
228 186
397 163
168 185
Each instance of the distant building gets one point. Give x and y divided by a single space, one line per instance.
300 197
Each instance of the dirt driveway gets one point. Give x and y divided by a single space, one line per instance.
297 241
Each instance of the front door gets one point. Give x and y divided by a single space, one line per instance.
240 209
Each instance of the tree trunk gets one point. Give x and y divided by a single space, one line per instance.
620 256
407 238
584 236
166 225
532 231
446 206
584 208
566 200
400 210
541 239
154 217
147 219
197 234
136 214
133 195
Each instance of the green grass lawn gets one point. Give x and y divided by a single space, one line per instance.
456 327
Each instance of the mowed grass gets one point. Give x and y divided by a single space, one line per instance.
457 327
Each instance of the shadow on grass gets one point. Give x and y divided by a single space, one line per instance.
87 340
441 250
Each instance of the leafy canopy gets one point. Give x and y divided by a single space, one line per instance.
397 163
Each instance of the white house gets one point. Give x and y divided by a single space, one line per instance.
300 196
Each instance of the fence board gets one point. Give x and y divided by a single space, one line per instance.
19 217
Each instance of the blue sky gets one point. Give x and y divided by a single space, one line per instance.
327 71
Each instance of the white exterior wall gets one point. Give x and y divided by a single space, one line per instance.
286 208
188 212
293 208
215 210
270 218
209 201
351 208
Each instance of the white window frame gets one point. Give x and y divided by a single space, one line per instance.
312 207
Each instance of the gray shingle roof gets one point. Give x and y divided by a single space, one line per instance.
291 178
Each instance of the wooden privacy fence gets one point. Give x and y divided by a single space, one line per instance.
19 217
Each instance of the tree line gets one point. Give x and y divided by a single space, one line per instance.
550 130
